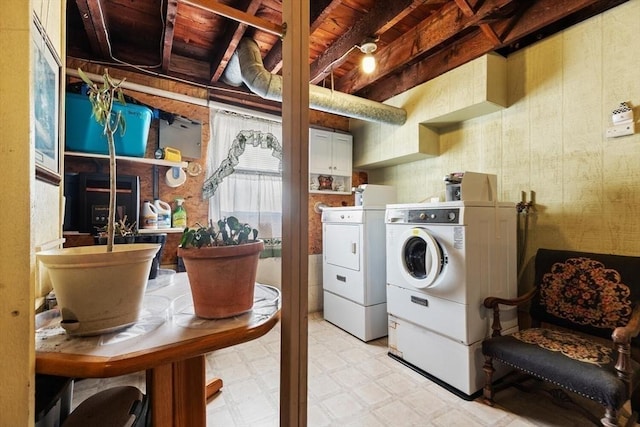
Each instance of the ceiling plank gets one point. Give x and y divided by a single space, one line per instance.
421 41
231 39
465 7
237 15
382 16
319 11
95 26
167 42
476 44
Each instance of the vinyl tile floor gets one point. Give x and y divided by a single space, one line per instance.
350 383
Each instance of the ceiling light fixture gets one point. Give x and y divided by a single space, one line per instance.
368 64
368 60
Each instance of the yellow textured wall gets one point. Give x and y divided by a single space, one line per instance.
29 214
550 139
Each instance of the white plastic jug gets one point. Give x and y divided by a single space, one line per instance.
164 213
149 216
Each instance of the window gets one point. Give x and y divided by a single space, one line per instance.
244 171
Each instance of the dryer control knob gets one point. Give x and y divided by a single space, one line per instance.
423 215
451 216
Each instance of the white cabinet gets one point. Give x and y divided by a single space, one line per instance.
330 161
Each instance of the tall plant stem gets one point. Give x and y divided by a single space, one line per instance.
110 130
102 98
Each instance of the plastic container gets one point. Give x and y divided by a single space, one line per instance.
164 213
84 134
179 217
149 216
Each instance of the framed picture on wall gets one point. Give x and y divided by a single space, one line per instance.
46 106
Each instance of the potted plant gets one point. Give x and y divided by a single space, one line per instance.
124 232
99 288
221 265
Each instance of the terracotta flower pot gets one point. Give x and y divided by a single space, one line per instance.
98 291
222 278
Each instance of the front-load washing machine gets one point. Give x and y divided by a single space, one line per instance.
443 259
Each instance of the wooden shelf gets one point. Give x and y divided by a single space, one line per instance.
328 192
160 230
159 162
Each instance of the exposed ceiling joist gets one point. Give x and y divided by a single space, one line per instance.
194 40
95 26
382 16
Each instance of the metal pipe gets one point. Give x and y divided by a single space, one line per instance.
246 67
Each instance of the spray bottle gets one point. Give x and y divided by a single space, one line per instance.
179 216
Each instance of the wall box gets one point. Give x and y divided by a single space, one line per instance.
84 134
469 91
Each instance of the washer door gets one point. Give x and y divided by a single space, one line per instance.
421 258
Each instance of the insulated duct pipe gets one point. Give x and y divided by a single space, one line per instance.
245 66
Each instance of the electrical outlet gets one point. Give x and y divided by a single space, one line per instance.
620 130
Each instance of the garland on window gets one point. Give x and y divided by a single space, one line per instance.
227 166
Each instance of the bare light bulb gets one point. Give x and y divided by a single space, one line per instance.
368 64
368 61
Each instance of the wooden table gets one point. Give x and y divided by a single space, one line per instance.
169 342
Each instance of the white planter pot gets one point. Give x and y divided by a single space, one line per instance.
97 291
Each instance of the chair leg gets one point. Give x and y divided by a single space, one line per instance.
610 417
487 391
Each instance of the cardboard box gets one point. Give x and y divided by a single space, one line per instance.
84 134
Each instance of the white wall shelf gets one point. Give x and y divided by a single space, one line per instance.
160 162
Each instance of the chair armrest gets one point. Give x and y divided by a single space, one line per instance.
492 302
495 302
622 336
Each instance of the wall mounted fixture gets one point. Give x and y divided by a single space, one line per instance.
622 120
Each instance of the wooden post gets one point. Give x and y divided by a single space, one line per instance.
295 288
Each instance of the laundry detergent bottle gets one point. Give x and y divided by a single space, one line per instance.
179 216
164 213
149 216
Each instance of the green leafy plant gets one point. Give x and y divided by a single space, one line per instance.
102 98
230 231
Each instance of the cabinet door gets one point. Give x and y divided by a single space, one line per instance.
320 152
342 154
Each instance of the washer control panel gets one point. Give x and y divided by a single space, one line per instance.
433 216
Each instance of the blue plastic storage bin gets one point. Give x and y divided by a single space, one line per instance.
84 134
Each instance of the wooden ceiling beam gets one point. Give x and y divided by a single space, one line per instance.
319 11
382 16
95 26
533 18
424 39
465 7
237 15
167 42
231 39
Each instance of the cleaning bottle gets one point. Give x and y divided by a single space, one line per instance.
149 216
179 215
164 213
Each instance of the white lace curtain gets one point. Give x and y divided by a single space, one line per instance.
253 192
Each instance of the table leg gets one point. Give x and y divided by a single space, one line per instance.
159 384
178 393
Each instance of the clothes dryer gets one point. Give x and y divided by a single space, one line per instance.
443 259
353 270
